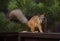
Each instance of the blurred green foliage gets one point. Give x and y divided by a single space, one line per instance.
12 5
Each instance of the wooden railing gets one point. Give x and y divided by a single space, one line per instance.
15 36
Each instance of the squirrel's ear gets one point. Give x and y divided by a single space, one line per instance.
39 13
45 13
42 15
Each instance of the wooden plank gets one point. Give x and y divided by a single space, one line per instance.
29 36
41 35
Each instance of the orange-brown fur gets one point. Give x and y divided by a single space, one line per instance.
35 22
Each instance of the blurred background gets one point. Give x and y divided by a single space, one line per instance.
30 8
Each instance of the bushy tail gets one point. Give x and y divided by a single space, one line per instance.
19 15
